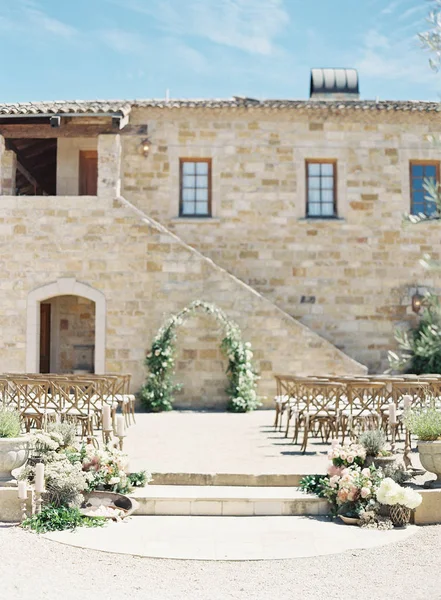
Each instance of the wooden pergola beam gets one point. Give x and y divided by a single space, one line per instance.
24 165
46 131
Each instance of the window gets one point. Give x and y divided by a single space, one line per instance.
419 172
321 178
195 198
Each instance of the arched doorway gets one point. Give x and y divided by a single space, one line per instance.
66 326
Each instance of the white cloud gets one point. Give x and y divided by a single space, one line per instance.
27 17
45 23
249 25
412 11
384 58
391 7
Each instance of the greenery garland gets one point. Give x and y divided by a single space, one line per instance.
157 393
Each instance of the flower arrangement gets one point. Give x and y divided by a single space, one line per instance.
157 393
392 494
345 456
353 491
105 469
71 470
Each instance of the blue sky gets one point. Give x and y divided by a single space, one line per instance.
86 49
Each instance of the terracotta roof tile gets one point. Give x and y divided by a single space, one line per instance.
124 106
94 107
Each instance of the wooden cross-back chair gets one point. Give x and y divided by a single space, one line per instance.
418 390
285 392
31 397
5 394
318 410
362 409
74 398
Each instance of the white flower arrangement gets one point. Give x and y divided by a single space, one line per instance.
391 494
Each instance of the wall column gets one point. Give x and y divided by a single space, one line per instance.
109 166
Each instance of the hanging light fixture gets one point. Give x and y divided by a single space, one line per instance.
144 147
417 302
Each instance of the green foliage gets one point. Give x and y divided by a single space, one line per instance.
314 484
420 348
425 423
9 423
157 393
373 441
59 518
139 479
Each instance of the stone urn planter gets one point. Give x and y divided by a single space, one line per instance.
14 453
379 461
430 457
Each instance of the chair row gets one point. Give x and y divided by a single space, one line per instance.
40 398
338 406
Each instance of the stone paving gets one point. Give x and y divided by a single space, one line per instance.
219 442
229 538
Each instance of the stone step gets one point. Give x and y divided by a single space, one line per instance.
228 479
226 500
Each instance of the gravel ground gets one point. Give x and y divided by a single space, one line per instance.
32 567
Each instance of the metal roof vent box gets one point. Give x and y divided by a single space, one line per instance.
334 84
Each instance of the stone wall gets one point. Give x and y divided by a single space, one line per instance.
145 273
356 274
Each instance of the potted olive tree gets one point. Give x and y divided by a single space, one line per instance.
14 447
374 442
425 423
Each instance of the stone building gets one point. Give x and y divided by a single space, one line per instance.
286 214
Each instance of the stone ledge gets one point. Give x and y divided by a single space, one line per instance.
10 511
429 511
193 220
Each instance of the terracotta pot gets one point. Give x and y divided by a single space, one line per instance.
384 461
349 520
112 499
400 515
430 457
14 453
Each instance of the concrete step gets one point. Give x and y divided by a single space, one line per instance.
227 479
226 500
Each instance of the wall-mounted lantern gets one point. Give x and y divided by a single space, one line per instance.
417 302
144 147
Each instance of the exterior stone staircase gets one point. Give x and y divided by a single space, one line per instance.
285 344
227 495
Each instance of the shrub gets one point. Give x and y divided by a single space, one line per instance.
373 441
420 348
9 423
314 484
53 518
424 423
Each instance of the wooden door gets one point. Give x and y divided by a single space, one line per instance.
45 338
88 182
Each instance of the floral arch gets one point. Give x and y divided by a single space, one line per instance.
157 393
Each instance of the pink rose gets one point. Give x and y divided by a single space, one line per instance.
366 472
343 495
365 492
333 470
350 459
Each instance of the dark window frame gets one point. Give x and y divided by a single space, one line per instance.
322 161
182 161
423 163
